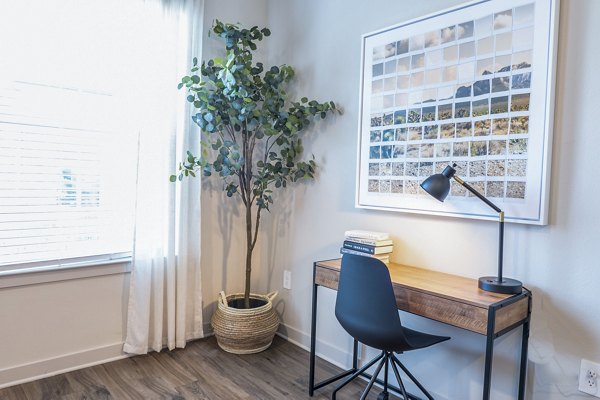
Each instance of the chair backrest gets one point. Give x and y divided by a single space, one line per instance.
365 304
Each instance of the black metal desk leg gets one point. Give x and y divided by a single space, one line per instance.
489 353
524 348
313 336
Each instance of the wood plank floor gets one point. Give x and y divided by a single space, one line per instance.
200 371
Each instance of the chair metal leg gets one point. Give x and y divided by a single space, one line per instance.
357 373
385 375
402 388
374 378
384 395
385 371
411 376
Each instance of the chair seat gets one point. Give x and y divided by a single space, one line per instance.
420 340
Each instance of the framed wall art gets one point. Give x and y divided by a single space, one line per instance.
472 85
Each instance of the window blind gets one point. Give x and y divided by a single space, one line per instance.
66 175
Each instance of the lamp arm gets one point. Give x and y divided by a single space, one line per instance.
501 220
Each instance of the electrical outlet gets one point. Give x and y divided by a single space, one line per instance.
588 377
287 279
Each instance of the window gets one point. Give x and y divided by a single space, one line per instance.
74 79
66 174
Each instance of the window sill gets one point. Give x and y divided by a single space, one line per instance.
36 276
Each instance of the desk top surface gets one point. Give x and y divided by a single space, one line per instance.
453 287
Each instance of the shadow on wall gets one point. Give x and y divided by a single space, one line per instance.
553 350
464 356
276 247
227 213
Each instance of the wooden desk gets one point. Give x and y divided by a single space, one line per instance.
447 298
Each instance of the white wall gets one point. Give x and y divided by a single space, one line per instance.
321 39
56 326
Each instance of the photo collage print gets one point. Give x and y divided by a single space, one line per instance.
459 94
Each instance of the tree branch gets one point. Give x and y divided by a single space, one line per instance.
231 132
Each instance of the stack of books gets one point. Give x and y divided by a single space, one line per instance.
369 244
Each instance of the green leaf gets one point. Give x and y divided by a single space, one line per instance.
173 178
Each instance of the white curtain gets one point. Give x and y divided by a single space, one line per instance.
165 299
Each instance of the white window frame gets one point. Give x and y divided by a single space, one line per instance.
62 270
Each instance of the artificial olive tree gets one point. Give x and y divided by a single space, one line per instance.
250 129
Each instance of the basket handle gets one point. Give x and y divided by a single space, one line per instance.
272 295
223 298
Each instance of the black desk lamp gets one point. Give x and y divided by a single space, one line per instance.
438 186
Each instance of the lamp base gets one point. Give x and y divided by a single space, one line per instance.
506 286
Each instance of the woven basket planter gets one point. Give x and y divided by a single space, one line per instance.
245 331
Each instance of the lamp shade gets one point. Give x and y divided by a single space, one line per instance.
438 185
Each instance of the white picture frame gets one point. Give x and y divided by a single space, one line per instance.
472 85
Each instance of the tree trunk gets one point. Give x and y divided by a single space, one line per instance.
249 249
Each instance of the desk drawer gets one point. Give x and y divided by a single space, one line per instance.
327 277
451 312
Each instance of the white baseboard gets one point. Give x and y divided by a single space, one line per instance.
57 365
329 352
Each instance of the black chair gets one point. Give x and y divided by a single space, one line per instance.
366 308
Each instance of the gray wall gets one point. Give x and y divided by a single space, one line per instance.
321 39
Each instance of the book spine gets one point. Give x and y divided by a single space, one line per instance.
359 247
368 242
344 250
361 253
367 235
